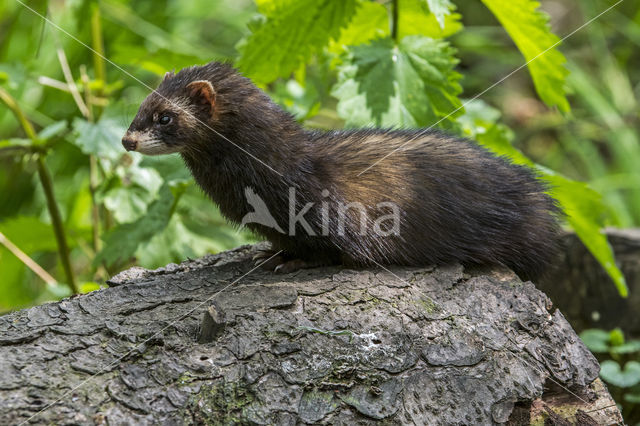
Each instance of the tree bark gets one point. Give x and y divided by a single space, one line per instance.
212 342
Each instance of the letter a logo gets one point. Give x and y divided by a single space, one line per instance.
261 214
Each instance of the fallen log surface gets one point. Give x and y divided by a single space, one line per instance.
213 341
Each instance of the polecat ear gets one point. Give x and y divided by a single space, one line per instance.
168 75
201 92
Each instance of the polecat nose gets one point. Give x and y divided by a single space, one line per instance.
129 144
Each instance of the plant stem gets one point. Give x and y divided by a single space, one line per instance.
75 94
29 262
15 109
47 185
97 42
56 221
95 208
93 167
394 20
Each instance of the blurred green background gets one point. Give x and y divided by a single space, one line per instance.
118 209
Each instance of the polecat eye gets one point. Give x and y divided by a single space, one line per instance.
165 119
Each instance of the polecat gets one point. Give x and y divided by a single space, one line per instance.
435 199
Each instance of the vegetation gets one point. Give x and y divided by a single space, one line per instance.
75 208
620 368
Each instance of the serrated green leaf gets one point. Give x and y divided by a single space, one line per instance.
415 19
370 22
439 8
123 241
101 139
529 30
294 30
611 372
409 85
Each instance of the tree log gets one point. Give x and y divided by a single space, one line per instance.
213 341
581 288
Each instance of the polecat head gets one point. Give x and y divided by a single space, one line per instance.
174 117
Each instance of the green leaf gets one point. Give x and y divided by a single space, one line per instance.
596 340
581 204
126 204
529 30
268 7
30 235
175 243
633 398
53 130
170 167
294 30
158 61
53 292
616 337
122 242
410 85
370 22
439 8
129 201
301 101
584 210
89 286
479 122
101 139
610 371
415 19
629 347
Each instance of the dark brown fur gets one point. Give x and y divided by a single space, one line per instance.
458 201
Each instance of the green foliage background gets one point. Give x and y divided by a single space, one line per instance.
571 113
332 63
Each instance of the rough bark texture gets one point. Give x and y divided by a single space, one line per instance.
580 287
187 344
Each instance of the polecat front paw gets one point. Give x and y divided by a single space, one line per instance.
268 259
280 263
